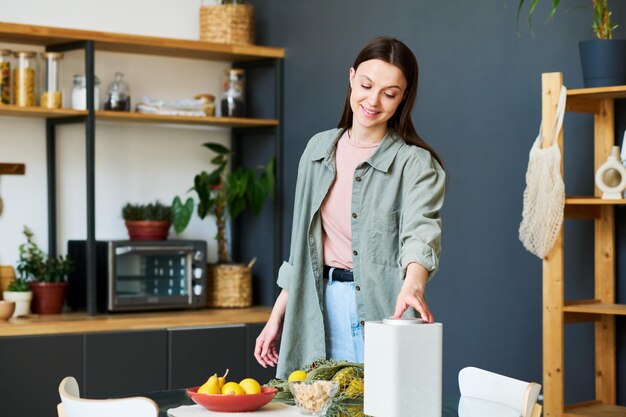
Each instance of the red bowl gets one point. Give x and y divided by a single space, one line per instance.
232 403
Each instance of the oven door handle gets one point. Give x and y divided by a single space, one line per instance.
122 250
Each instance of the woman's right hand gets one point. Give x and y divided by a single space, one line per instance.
266 348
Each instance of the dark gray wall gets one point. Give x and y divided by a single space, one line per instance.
479 105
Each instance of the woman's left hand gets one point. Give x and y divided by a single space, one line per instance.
412 293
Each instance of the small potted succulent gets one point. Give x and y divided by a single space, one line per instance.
602 58
147 221
225 195
46 276
19 292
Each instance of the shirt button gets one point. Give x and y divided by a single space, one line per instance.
355 253
362 323
358 288
354 215
358 179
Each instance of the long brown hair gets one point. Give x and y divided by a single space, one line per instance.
394 52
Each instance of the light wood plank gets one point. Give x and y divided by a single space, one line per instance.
592 200
187 120
82 323
605 358
553 270
16 111
136 44
595 410
597 308
597 93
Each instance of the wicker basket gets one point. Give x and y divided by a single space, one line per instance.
227 23
229 286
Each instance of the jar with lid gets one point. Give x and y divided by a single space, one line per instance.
24 77
79 92
5 76
118 94
52 98
233 95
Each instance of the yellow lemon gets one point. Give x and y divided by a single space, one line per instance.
250 386
232 388
297 376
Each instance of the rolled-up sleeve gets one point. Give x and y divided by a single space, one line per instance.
420 232
285 274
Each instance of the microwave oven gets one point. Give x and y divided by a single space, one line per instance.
134 275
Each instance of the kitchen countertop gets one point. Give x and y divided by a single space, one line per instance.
82 323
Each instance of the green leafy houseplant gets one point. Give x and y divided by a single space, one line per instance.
147 221
35 265
601 24
223 193
141 212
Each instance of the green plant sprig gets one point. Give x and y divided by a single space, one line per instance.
601 23
35 265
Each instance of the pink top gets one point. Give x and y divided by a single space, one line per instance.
336 208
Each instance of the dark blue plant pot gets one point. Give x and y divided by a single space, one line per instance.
603 62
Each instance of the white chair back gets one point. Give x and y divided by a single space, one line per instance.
483 385
74 406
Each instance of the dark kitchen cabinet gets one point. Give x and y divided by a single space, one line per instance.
197 353
253 369
124 363
32 368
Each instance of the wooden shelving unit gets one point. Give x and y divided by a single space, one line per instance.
602 309
53 39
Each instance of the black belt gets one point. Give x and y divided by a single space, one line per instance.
344 275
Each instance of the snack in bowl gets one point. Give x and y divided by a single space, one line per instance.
313 397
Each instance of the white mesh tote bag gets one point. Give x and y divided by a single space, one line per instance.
544 196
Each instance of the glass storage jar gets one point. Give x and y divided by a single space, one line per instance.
233 93
52 98
24 77
79 92
118 94
5 76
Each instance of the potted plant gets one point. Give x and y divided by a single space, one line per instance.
225 195
19 292
147 221
46 276
603 59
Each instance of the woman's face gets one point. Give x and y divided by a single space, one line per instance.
377 90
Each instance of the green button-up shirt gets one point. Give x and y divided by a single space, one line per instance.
396 198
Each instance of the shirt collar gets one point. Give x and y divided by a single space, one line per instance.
381 159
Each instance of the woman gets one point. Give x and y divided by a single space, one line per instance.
366 227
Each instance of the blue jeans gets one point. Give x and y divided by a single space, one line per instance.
344 333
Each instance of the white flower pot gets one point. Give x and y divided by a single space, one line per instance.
22 301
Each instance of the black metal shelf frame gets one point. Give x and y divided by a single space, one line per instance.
90 133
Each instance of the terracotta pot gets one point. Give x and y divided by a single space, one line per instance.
148 229
48 297
6 309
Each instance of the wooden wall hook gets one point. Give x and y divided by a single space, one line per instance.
12 169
